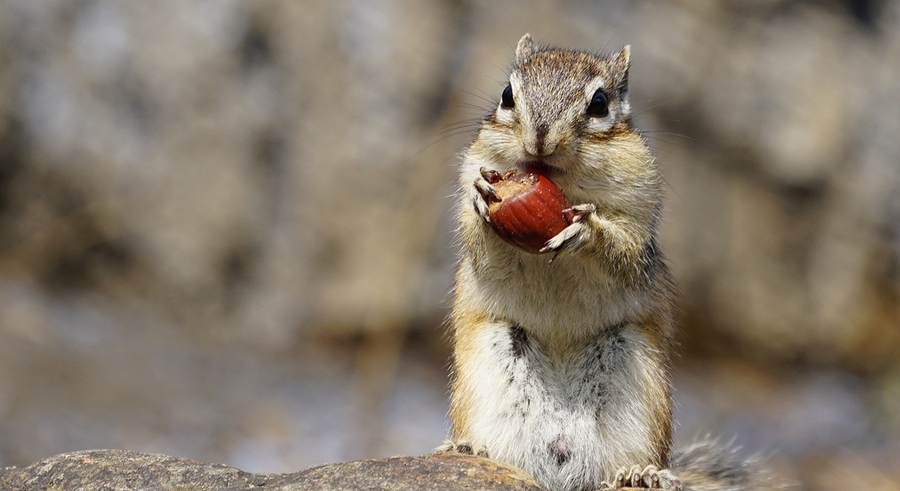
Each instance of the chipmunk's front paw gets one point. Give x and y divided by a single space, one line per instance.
485 192
462 447
576 235
649 477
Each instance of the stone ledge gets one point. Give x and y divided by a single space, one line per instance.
106 470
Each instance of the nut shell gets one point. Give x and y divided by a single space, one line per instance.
529 211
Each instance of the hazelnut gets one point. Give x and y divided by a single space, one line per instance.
529 211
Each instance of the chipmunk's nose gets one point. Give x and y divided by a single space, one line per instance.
541 146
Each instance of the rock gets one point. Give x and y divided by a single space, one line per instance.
95 470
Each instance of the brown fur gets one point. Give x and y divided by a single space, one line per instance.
562 367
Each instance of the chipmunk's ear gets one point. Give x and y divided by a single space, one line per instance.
622 61
525 48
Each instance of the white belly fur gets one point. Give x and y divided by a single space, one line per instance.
528 405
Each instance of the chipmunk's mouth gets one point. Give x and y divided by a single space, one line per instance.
539 167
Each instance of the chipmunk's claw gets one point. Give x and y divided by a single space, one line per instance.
577 213
485 192
648 477
461 447
576 235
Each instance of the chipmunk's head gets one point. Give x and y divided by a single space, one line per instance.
557 102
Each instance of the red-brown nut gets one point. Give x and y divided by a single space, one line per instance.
530 209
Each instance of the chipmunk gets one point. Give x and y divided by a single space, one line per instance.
561 366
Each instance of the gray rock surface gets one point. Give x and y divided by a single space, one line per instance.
106 470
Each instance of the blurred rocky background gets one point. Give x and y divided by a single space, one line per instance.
225 226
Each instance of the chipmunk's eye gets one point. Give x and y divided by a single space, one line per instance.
506 99
599 106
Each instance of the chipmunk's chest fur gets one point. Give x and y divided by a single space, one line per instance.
571 297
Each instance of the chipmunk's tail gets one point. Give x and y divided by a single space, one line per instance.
710 465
